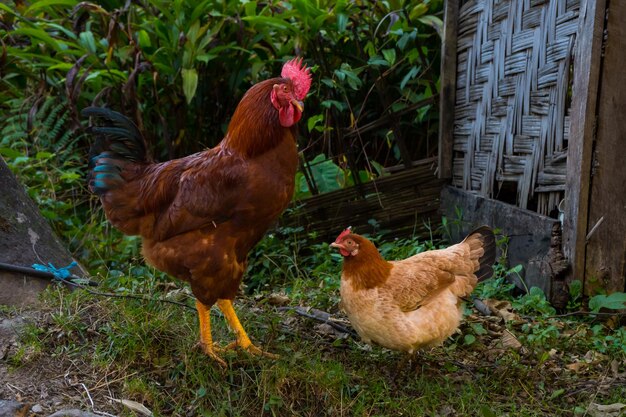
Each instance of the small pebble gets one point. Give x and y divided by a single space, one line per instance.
36 409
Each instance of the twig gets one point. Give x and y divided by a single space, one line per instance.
593 229
93 407
323 317
578 313
12 387
88 395
133 296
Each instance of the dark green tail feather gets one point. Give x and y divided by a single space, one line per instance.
118 142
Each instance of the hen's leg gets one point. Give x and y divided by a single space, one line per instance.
243 340
206 340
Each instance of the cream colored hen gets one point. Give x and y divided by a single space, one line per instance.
416 302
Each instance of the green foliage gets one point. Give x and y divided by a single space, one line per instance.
534 302
162 61
609 341
615 301
575 295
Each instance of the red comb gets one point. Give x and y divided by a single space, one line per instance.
344 234
299 74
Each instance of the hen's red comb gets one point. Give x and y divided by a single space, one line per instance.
344 234
299 75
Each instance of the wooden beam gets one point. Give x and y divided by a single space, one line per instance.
605 258
448 88
529 233
582 130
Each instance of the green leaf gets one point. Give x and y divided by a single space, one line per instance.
327 104
10 153
469 339
37 5
190 83
205 57
377 60
250 8
409 76
342 22
273 22
418 11
434 22
88 42
314 120
70 176
144 39
44 155
326 174
40 35
615 301
390 55
7 9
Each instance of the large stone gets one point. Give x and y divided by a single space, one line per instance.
25 239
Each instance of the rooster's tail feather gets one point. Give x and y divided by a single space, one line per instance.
118 143
483 244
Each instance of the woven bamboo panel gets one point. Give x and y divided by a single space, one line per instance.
511 113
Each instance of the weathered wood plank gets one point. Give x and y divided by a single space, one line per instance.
529 233
402 205
448 88
583 112
605 262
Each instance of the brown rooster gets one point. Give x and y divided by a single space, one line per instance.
416 302
200 215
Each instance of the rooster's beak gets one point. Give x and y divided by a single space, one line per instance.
299 105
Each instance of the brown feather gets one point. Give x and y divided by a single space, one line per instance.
200 215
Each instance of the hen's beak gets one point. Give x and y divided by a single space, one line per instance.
336 245
299 105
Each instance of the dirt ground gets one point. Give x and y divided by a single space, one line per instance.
44 384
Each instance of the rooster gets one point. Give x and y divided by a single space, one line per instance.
416 302
200 215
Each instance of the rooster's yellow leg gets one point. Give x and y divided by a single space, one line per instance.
206 340
243 340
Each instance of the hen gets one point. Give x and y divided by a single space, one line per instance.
416 302
200 215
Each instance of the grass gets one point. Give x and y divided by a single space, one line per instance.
145 352
91 348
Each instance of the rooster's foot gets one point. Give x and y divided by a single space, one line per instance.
212 351
251 349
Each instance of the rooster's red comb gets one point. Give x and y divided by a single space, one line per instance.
299 75
344 234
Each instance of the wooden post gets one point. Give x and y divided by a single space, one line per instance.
448 88
582 131
605 257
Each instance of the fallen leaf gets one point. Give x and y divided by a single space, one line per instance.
576 366
594 357
509 340
277 299
502 308
133 405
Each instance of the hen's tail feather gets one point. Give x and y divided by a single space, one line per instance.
118 142
487 242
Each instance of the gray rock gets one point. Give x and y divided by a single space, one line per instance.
37 409
10 408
